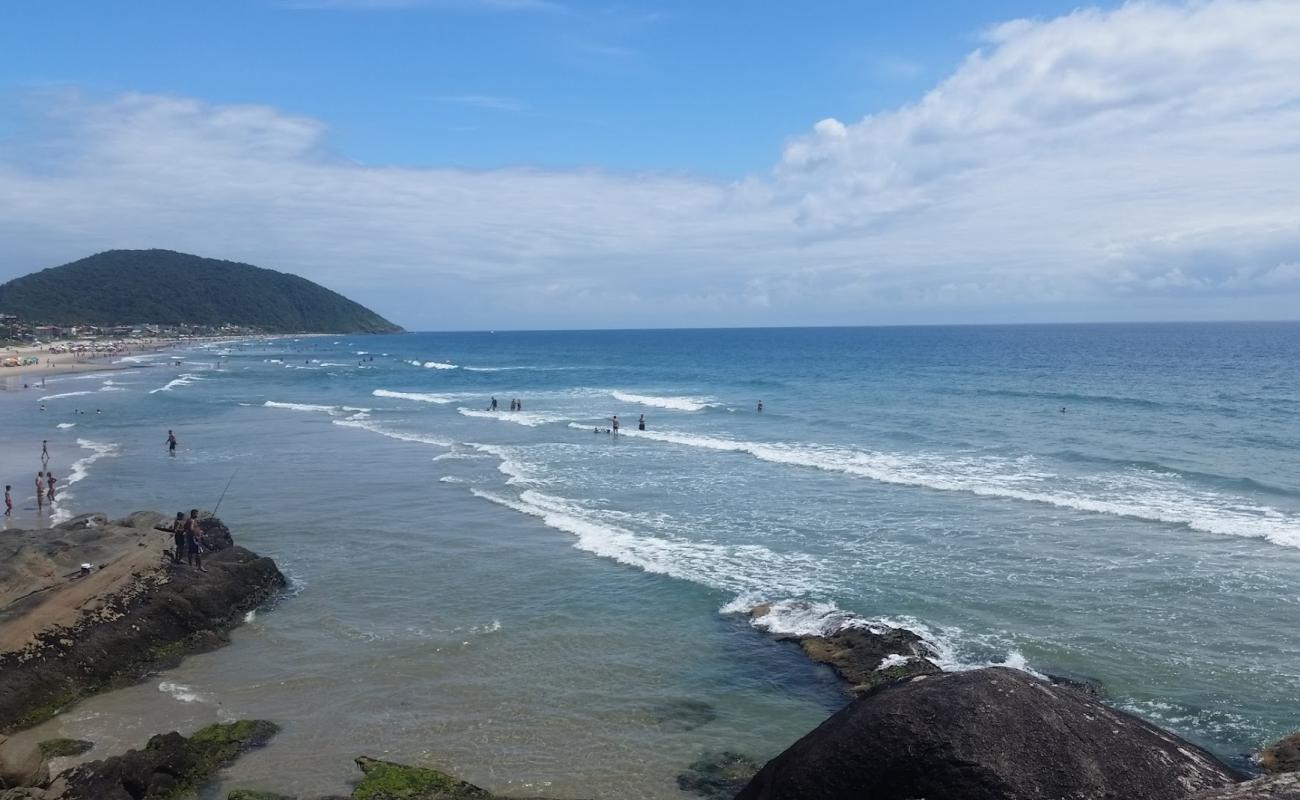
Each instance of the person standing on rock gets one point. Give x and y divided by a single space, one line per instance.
194 540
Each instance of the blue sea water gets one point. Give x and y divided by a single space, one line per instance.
535 603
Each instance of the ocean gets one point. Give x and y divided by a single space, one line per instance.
538 606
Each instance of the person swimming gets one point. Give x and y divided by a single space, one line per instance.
760 406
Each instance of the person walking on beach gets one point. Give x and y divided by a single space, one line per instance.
171 443
640 424
40 490
9 501
194 540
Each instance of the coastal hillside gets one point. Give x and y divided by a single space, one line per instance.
163 287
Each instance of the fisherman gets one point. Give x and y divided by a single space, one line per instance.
194 540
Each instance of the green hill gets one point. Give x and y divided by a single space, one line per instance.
163 287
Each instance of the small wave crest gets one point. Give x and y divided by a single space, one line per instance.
434 364
185 379
309 407
61 395
672 403
531 419
401 436
419 397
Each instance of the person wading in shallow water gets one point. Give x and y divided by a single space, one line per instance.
615 421
50 480
40 490
640 424
194 540
171 443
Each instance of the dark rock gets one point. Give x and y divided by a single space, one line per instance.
168 766
1283 756
385 780
718 776
246 794
83 522
1087 685
991 734
1285 786
58 748
863 656
216 536
151 624
858 655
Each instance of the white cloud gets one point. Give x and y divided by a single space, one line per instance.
1138 163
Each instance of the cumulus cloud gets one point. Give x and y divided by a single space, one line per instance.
1136 163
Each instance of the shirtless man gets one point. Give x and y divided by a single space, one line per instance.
194 540
40 490
50 479
9 501
615 421
171 443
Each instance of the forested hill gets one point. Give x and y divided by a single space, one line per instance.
163 287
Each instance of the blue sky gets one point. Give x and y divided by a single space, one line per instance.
708 88
570 164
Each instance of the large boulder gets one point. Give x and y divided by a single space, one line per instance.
1283 756
991 734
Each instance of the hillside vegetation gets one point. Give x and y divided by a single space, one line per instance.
163 287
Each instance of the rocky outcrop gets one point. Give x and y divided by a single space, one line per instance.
170 765
1283 756
864 656
991 734
1274 787
155 614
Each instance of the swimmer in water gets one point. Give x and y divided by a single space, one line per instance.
760 406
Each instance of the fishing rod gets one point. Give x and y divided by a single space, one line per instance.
223 491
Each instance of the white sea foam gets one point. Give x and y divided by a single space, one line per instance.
185 379
66 425
1152 498
180 692
60 395
531 419
77 472
433 364
672 403
310 407
401 436
421 397
730 567
450 479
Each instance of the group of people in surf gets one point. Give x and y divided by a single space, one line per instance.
515 405
47 485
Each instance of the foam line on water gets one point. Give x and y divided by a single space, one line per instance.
61 395
419 397
401 436
308 407
184 379
735 568
434 364
77 473
1126 495
529 419
683 403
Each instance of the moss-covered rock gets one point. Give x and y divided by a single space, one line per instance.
57 748
248 794
169 766
385 780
